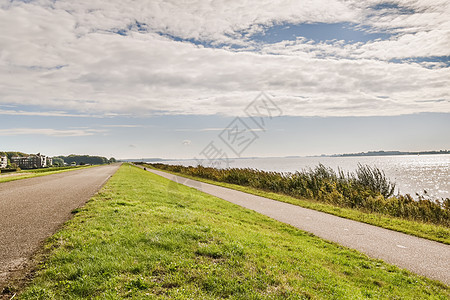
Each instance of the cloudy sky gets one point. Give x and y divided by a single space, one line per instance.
168 78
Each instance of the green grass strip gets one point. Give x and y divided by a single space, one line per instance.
37 173
144 237
424 230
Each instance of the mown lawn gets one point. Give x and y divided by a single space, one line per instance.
420 229
141 237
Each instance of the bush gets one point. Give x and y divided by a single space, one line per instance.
9 170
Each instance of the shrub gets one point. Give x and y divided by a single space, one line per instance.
367 189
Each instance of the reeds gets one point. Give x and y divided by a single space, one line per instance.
367 189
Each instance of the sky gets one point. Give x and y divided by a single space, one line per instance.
184 79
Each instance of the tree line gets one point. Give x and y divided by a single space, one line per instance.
62 160
83 159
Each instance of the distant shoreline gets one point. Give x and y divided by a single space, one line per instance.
369 153
388 153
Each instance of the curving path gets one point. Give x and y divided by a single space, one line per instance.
33 209
424 257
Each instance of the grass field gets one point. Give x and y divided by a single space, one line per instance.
37 172
420 229
46 170
137 239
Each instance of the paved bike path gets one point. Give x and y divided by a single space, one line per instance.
421 256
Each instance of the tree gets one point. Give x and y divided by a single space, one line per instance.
58 161
87 159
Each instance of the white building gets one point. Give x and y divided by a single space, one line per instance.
3 162
34 161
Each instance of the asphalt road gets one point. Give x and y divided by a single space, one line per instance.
421 256
33 209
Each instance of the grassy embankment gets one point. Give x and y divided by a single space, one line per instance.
323 195
38 172
138 239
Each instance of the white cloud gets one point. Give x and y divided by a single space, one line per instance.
13 112
64 56
211 129
122 126
49 132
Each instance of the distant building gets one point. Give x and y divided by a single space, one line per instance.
3 162
31 162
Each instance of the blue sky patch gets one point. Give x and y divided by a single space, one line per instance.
136 26
204 43
318 32
445 60
390 7
121 32
24 1
144 28
41 68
